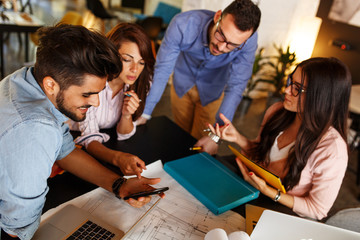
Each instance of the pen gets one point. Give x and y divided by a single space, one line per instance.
209 130
195 148
128 95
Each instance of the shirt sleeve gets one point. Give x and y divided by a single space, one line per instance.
326 170
90 130
26 160
165 62
240 73
121 137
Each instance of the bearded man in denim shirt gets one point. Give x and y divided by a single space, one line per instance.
72 67
211 55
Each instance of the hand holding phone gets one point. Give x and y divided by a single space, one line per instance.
147 193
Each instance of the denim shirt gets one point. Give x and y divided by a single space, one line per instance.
32 137
185 50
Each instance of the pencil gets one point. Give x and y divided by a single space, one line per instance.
195 148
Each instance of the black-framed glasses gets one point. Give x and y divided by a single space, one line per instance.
296 87
222 39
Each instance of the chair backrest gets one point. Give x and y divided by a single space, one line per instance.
348 219
92 22
73 18
152 26
166 12
70 17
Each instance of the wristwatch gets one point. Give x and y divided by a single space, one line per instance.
214 137
116 186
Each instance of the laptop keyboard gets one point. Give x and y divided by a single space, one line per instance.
90 230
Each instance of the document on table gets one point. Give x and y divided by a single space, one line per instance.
178 216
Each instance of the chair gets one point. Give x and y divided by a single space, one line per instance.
152 27
354 109
71 17
133 4
348 219
164 11
98 10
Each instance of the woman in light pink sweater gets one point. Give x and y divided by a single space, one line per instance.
303 138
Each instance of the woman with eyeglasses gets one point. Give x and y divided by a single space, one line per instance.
122 101
302 139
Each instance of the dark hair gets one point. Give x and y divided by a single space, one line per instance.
67 52
246 13
131 32
325 104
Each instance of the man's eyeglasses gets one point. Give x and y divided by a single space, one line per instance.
221 38
296 87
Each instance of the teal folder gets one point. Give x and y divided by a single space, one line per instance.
212 183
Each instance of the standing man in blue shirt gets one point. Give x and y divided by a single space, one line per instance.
72 67
211 55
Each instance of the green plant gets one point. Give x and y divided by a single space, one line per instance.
280 66
257 67
271 70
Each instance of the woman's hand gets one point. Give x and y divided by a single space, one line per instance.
251 178
135 185
129 164
130 104
260 184
227 132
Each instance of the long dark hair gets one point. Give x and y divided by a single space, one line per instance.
325 104
131 32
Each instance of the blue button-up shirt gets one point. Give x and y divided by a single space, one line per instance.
32 137
185 51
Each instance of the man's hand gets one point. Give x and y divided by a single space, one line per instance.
208 145
135 185
129 164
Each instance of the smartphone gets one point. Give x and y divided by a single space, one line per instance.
147 193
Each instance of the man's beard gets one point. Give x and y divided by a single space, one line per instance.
60 102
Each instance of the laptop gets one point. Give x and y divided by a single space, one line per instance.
280 226
72 222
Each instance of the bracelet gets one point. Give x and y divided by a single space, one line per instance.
277 197
214 137
116 186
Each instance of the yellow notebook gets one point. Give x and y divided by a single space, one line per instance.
269 177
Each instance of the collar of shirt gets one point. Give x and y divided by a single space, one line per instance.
205 38
31 80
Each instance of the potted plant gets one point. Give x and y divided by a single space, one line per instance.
271 70
280 66
253 81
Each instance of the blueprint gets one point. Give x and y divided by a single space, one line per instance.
178 216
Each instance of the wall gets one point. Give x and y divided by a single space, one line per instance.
331 30
279 18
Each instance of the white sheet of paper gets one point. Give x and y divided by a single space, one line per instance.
178 216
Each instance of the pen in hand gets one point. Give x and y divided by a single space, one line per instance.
195 148
128 95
